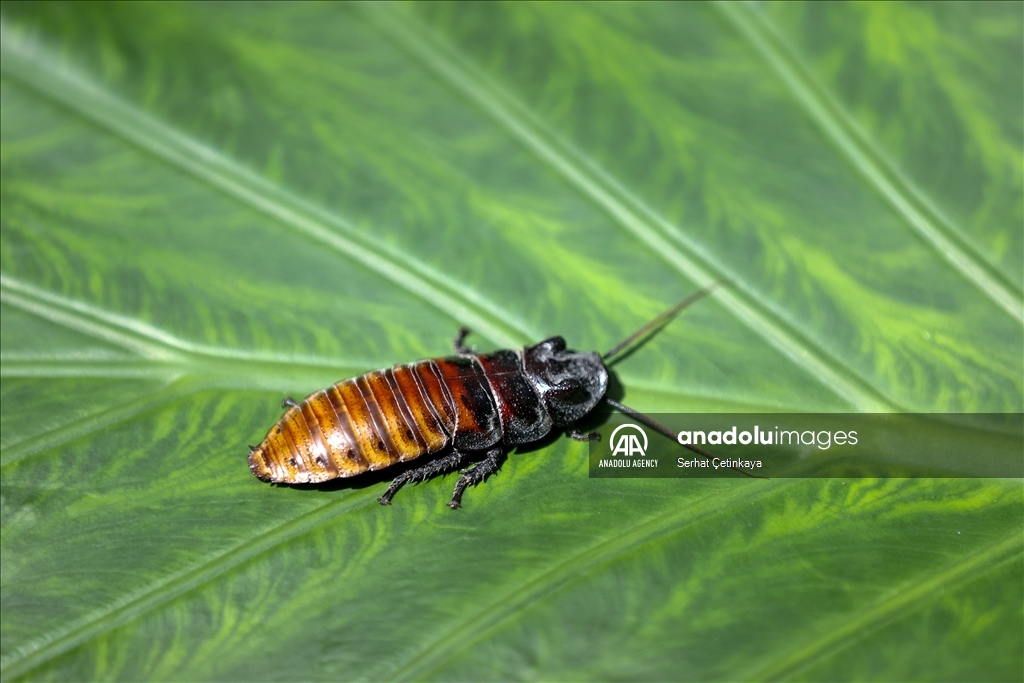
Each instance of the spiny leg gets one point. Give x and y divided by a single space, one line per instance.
458 344
431 469
583 436
480 471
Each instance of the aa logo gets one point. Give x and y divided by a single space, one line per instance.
628 443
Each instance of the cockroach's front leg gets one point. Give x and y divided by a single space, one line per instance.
459 345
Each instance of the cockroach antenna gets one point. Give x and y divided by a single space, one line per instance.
641 336
654 326
657 426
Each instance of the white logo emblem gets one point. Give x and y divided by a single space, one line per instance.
628 444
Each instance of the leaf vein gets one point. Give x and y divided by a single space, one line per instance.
631 213
916 209
461 636
90 424
32 66
147 340
881 613
55 643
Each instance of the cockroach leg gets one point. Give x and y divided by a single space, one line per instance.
583 436
289 403
458 344
432 469
480 472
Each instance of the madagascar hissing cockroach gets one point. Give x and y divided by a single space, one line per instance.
470 406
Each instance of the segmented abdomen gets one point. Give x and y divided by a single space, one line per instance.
380 419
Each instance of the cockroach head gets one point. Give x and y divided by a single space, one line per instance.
570 383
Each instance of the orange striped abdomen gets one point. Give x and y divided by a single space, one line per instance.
367 423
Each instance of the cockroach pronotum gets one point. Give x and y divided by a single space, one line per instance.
457 409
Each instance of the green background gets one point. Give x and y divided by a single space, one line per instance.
206 208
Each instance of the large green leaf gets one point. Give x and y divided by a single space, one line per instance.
207 208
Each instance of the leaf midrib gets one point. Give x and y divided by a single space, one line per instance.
185 367
149 342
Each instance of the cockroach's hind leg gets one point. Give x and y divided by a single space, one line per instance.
480 472
289 403
434 468
459 343
583 436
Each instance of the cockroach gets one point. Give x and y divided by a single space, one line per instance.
450 411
